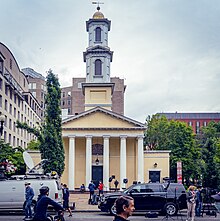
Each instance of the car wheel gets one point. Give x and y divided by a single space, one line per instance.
170 209
113 210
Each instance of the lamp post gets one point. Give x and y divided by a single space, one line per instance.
2 120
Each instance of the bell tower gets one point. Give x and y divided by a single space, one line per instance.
98 88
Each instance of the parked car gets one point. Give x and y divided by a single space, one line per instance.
167 198
12 191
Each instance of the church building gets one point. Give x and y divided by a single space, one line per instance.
100 143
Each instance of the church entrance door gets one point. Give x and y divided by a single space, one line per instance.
97 174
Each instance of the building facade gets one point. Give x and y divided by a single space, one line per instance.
37 86
99 141
16 102
195 120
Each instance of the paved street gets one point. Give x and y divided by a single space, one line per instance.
78 216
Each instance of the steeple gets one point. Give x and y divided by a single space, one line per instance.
98 55
98 88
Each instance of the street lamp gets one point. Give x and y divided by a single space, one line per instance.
97 160
2 120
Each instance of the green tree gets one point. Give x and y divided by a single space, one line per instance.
13 155
33 145
162 134
50 133
209 141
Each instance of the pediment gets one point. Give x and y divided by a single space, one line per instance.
100 118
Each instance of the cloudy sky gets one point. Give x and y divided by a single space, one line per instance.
168 51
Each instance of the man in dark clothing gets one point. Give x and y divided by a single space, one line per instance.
91 191
66 195
42 204
124 208
198 201
29 195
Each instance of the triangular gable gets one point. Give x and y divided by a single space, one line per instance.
101 118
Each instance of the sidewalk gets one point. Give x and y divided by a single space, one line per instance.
81 203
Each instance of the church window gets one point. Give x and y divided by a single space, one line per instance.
98 34
98 67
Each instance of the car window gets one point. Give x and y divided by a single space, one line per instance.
139 188
153 188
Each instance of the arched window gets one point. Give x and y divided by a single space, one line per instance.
98 67
98 34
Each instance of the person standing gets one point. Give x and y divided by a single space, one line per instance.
91 188
191 203
29 195
100 187
198 201
124 208
66 196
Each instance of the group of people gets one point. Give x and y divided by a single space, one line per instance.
194 202
92 196
40 213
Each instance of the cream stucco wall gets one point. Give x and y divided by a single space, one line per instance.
161 158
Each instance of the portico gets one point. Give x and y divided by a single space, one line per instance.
118 147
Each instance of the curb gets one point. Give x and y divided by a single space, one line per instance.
86 211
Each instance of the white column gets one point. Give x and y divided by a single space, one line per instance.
71 162
106 162
140 159
123 154
88 160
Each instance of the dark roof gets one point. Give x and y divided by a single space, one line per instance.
208 116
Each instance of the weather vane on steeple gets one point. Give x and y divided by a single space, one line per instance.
98 3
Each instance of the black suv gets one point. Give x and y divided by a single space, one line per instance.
162 197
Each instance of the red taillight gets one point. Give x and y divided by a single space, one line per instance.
56 195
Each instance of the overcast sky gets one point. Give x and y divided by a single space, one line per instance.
168 51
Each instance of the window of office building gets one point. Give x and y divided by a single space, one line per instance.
18 115
5 136
190 123
9 126
13 140
10 108
15 98
6 105
14 127
0 84
14 112
6 90
9 138
197 126
19 102
32 86
6 121
204 123
11 94
0 100
17 141
1 66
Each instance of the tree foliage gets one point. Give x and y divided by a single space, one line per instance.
13 155
209 142
162 134
50 133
